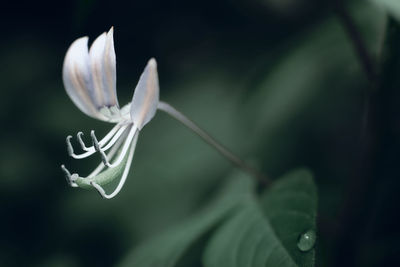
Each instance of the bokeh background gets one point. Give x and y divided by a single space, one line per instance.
279 82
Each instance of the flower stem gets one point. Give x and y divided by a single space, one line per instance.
167 108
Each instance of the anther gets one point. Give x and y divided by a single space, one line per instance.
99 149
125 147
70 178
83 146
94 140
69 145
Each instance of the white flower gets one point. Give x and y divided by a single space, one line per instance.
90 81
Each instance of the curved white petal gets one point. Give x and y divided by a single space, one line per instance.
102 67
146 96
96 53
77 77
110 73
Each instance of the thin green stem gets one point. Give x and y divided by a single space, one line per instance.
211 141
357 41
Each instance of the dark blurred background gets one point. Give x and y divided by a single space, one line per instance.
280 82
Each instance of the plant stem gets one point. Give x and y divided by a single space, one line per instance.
377 150
167 108
349 25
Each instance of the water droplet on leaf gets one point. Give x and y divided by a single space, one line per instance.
307 240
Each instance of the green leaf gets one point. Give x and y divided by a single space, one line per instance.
311 67
266 232
291 207
168 248
391 6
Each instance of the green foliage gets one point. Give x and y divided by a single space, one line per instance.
266 232
391 6
285 91
308 70
248 230
166 249
291 207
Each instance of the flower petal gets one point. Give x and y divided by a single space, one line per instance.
102 67
96 54
77 78
110 73
145 99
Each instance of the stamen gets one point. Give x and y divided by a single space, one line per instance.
125 148
113 140
70 178
77 156
97 145
115 133
124 174
110 134
99 189
101 166
116 140
102 142
79 137
69 146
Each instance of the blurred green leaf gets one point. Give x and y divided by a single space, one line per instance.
261 231
167 248
291 207
317 63
391 6
310 84
267 233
